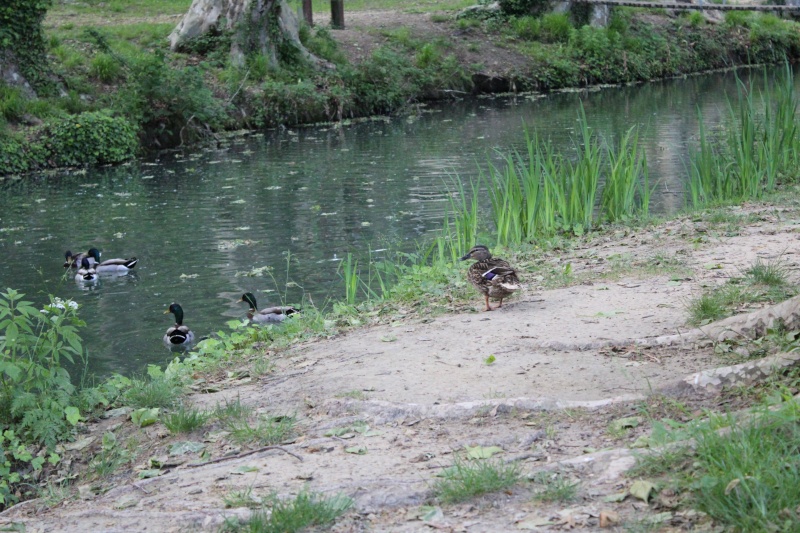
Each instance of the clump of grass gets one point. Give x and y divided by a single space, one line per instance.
762 282
469 478
105 68
355 394
242 498
746 479
158 391
289 516
707 308
185 419
557 487
265 431
231 410
771 274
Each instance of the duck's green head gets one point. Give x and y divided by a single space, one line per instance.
176 310
94 252
85 264
68 257
249 299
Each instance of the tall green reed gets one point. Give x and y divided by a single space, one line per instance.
547 192
760 145
627 187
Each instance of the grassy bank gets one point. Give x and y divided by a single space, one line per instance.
116 89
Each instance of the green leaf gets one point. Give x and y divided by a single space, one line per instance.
73 415
357 450
482 452
624 423
614 498
180 448
145 474
489 360
145 417
642 489
244 469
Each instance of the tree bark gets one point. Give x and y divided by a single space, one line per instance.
258 26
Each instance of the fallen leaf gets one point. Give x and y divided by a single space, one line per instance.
642 489
608 518
180 448
357 450
613 498
482 452
624 423
244 469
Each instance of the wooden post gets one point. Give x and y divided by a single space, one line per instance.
307 15
337 14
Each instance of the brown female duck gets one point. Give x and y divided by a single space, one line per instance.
494 277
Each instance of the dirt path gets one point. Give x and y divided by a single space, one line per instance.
414 392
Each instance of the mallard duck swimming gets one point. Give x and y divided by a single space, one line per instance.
74 260
111 265
494 277
178 334
268 314
86 273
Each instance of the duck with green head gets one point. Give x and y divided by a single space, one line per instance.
179 334
111 265
268 315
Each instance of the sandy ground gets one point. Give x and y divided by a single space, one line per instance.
414 393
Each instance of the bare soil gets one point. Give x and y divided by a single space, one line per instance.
424 389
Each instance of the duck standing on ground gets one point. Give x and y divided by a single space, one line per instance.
178 334
268 315
86 273
494 277
111 265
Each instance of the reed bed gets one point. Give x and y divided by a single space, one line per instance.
749 155
548 192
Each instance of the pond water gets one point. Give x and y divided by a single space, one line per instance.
297 201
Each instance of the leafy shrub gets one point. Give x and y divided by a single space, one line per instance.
556 28
13 159
322 44
16 465
527 28
428 55
525 7
738 18
12 103
88 139
171 106
36 393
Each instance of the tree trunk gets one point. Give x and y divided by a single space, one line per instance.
258 26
